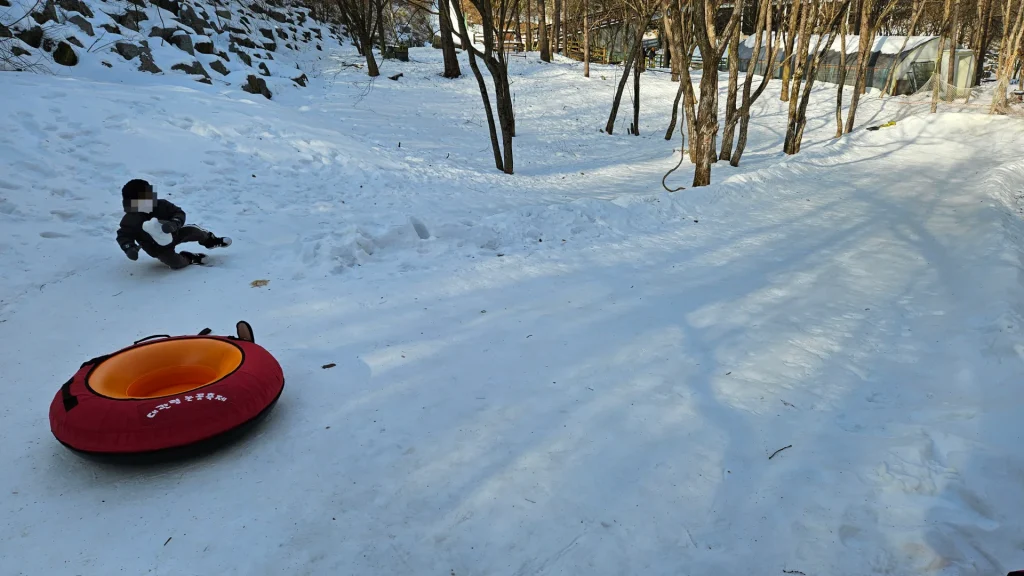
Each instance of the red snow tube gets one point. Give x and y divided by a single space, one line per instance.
166 396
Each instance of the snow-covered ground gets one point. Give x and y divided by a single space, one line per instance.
575 372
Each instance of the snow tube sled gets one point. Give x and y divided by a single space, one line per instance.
167 396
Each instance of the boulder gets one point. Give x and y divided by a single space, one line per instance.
83 24
73 41
257 85
244 57
5 4
65 55
146 63
49 44
243 41
195 68
236 30
223 13
19 51
189 18
76 6
183 42
267 33
204 47
219 67
270 46
205 80
127 50
223 56
282 34
130 19
5 32
110 28
171 6
318 47
277 16
164 33
47 14
301 80
32 36
263 69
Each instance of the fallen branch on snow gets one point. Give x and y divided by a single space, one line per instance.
773 456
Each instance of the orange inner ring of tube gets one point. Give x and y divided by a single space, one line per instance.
165 368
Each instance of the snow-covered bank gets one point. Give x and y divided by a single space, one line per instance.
603 405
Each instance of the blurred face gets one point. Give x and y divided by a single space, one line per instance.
145 202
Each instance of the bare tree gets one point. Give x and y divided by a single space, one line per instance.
919 6
545 46
730 100
787 66
683 46
1009 51
451 58
953 34
830 24
763 30
844 30
556 30
529 25
870 20
642 12
586 38
364 21
712 45
494 17
936 73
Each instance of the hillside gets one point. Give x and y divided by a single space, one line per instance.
253 45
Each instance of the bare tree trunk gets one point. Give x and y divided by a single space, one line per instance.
669 22
519 24
451 59
1008 54
557 49
763 29
806 24
867 38
499 75
565 28
787 66
953 29
891 79
711 49
936 74
545 47
730 101
832 28
529 26
842 77
985 39
586 38
635 128
380 26
609 128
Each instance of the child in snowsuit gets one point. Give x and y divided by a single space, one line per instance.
158 227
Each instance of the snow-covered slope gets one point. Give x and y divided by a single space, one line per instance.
564 371
262 47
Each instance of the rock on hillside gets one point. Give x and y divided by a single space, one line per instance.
253 45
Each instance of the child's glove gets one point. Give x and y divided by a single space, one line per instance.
170 226
131 250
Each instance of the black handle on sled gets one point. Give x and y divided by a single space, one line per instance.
153 336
